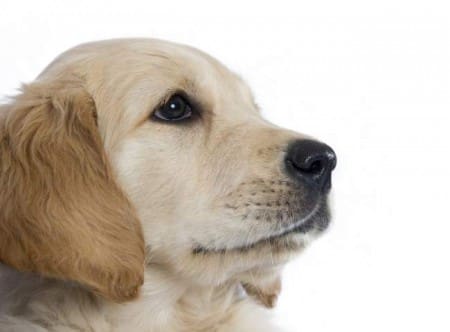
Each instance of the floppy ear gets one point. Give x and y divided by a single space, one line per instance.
61 213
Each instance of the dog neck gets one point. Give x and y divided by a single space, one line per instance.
168 303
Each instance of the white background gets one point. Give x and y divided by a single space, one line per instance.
371 78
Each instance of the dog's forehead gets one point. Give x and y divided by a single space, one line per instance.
129 78
141 60
184 67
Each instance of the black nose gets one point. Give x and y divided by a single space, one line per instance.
311 162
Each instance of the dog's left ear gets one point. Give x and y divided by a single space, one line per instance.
62 215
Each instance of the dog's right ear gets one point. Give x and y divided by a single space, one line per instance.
62 214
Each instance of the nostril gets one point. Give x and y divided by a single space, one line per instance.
314 168
311 161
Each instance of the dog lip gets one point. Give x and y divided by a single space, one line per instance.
311 222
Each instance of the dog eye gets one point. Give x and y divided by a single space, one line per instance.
175 109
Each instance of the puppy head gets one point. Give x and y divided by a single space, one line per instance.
221 194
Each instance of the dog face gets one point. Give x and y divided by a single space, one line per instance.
220 192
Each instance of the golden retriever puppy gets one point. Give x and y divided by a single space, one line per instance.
141 190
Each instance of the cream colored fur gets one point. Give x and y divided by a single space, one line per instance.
196 188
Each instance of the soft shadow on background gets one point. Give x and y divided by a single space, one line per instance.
372 79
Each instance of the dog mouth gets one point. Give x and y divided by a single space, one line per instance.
316 222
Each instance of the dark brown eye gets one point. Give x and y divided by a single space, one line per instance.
175 109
